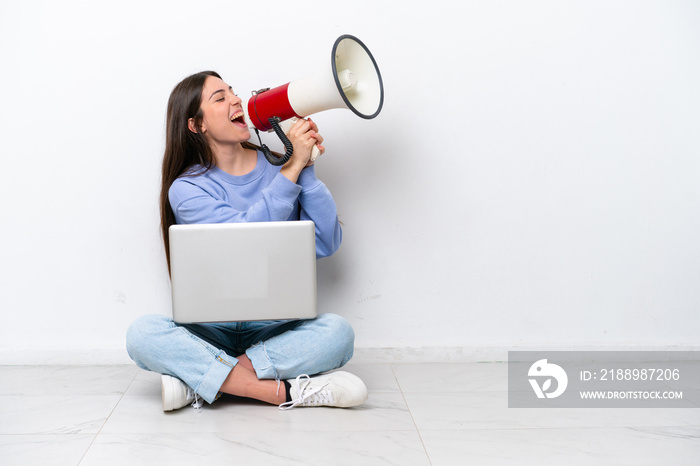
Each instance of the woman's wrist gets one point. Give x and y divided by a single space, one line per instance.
291 172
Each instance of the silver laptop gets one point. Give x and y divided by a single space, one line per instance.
243 271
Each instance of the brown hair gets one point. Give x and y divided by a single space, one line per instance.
183 148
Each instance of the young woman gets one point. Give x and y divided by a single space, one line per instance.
212 175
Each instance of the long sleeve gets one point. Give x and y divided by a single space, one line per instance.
317 204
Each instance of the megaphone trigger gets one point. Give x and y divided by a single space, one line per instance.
286 125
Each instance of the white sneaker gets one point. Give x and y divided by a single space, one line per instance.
176 394
338 389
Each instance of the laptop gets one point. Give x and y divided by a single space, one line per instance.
228 272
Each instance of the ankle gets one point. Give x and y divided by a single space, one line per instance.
287 391
243 382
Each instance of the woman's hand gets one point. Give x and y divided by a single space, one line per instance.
304 136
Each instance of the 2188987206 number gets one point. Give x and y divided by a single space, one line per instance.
640 374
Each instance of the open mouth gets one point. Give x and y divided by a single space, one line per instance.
238 117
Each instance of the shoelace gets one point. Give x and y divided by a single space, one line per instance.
197 403
308 396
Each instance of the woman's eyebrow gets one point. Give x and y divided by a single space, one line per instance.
220 90
214 93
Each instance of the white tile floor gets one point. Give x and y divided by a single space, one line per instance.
417 414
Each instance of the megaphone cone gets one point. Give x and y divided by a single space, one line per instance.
352 81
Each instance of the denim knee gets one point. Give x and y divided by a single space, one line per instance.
340 334
140 336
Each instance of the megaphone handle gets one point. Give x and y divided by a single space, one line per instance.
289 148
315 152
286 125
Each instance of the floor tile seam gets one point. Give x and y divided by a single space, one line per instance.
535 428
70 366
66 395
45 434
249 432
440 363
107 419
410 413
449 392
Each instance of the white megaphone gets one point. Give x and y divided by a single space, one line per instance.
352 81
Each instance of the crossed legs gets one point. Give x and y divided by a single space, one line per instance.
158 344
243 381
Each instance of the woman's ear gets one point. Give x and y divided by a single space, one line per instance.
192 126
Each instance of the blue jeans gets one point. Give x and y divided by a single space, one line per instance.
202 355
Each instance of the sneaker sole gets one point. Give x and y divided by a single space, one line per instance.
167 392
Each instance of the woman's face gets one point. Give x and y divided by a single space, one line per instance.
223 120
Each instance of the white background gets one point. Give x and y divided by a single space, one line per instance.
532 181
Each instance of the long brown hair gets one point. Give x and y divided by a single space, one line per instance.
184 148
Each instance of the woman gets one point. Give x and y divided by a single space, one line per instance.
211 174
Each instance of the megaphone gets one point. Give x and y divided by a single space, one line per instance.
352 81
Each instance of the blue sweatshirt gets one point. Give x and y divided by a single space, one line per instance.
263 195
